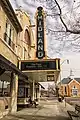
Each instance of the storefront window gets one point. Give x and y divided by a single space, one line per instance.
4 88
21 92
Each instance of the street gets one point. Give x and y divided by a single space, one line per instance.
47 110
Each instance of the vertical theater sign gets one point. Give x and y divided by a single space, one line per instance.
40 53
41 64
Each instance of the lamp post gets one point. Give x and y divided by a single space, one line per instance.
64 61
60 75
61 65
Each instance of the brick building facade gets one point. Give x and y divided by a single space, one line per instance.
16 43
70 87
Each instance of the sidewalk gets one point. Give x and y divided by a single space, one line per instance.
47 110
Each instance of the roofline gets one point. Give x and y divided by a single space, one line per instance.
25 13
74 80
7 7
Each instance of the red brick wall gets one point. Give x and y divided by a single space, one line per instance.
71 85
69 88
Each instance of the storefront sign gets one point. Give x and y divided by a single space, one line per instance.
40 53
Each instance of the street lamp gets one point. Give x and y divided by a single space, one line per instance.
60 70
61 65
64 61
60 76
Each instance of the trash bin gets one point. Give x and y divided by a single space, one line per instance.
60 99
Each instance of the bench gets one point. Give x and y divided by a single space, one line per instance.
22 102
75 113
34 103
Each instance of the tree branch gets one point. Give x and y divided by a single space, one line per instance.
60 14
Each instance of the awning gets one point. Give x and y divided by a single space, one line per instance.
9 66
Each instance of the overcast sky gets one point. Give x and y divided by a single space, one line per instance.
58 45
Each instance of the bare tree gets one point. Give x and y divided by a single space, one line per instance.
68 32
62 23
60 14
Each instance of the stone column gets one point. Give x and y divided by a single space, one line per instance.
32 90
13 92
38 93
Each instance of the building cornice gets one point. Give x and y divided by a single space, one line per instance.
11 14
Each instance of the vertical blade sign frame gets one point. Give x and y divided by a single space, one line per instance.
40 53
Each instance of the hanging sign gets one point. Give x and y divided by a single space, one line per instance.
40 53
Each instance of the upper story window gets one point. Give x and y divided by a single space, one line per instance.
27 37
9 35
